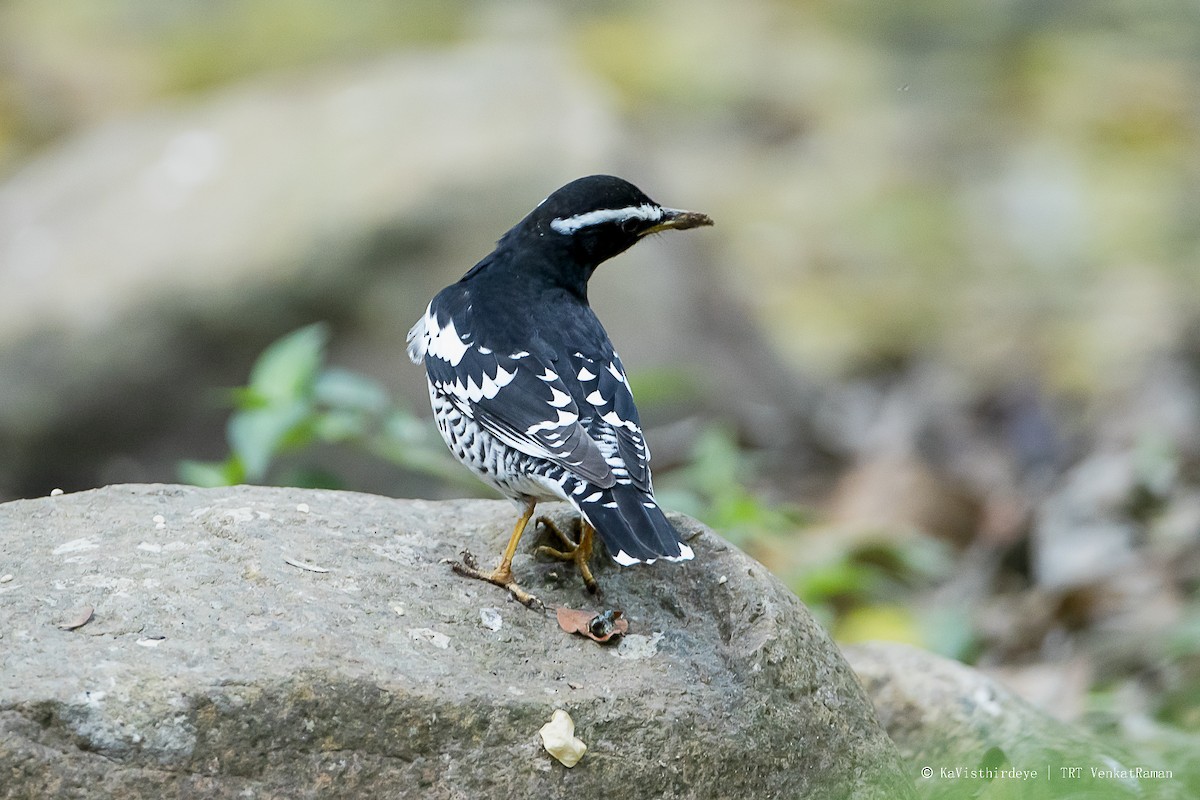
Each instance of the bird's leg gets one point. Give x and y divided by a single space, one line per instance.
580 552
570 541
502 575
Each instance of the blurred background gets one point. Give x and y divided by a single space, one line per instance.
937 366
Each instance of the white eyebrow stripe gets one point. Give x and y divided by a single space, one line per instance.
568 225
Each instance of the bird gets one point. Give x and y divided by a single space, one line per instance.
528 391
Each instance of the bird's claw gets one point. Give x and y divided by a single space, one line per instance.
503 578
578 551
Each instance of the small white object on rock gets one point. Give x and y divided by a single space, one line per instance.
439 640
302 508
635 646
55 492
6 578
490 619
723 579
558 737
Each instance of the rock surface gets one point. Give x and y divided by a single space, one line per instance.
977 739
219 662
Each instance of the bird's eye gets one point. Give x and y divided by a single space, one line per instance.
629 225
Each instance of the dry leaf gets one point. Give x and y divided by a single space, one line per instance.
558 737
600 627
83 617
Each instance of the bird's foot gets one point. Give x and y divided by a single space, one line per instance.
577 550
501 576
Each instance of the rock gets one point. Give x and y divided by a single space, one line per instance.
945 716
147 260
221 662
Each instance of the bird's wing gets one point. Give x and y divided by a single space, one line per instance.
605 389
520 400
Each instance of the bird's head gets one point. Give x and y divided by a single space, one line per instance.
595 218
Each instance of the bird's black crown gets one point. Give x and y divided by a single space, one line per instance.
594 218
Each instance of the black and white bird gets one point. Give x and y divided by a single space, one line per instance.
527 389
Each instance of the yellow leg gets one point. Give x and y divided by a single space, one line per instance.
502 575
580 552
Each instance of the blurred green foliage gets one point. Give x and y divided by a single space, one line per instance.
713 486
204 44
860 589
293 402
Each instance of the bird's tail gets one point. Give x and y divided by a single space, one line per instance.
631 525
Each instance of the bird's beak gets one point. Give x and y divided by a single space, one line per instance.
676 220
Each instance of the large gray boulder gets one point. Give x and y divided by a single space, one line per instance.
218 663
962 734
145 261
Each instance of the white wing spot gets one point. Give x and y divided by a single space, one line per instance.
565 418
685 554
443 343
492 386
624 559
586 374
591 498
613 419
559 399
595 398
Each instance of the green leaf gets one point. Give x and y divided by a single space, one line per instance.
287 369
257 436
211 473
411 443
349 391
404 428
1156 462
311 477
892 623
243 398
339 426
716 462
838 578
